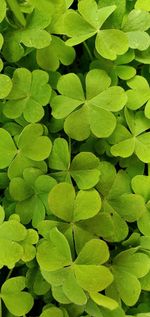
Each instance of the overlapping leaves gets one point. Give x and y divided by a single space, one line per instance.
31 143
97 106
70 279
84 168
31 194
30 92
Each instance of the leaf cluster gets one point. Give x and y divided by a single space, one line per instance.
75 158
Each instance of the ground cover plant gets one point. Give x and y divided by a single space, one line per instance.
75 158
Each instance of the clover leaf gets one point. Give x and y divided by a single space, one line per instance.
140 185
32 134
117 203
32 188
29 94
3 10
17 301
12 235
98 106
49 58
83 168
31 143
88 23
104 301
75 275
52 312
124 144
7 147
32 35
66 206
28 245
120 68
5 86
139 94
136 24
73 210
128 267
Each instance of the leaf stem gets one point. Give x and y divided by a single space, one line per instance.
9 274
88 51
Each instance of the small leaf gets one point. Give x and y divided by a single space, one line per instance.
85 175
61 201
52 312
5 86
41 145
104 301
87 204
59 158
126 283
94 252
10 253
110 43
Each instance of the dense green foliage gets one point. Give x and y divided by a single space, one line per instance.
75 158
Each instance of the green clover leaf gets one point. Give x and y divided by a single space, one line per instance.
128 267
49 58
110 43
32 188
84 168
115 188
58 257
29 94
75 276
17 301
136 24
124 144
32 35
3 10
88 23
5 86
139 94
12 234
20 162
97 107
32 145
52 312
7 147
27 244
104 301
140 185
66 206
32 134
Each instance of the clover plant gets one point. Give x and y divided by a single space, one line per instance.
74 158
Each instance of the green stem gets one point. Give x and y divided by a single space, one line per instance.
9 274
88 51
